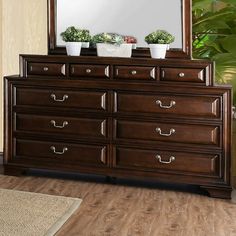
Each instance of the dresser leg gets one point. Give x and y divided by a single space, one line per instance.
218 192
14 170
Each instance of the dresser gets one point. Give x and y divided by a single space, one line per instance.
141 118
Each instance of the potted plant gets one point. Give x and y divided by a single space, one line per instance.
132 40
75 38
111 45
158 42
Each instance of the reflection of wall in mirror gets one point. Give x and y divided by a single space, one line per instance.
127 17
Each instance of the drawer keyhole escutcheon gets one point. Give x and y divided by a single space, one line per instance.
181 75
88 71
159 131
54 97
45 68
171 159
133 72
64 124
159 102
65 149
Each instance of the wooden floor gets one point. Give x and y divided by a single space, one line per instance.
130 210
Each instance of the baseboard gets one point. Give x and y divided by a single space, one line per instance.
1 158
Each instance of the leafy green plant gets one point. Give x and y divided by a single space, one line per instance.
159 37
110 38
214 37
73 34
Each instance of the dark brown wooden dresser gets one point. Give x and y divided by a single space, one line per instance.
121 117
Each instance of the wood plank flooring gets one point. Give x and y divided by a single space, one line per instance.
132 210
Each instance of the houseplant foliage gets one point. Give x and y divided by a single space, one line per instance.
110 38
214 37
72 34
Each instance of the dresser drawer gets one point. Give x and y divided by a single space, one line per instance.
51 69
182 105
89 70
168 132
196 75
154 160
85 127
135 72
60 153
60 98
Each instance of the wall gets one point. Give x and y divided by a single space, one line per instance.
24 30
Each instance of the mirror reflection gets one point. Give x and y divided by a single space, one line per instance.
126 17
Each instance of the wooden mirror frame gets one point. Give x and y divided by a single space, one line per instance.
185 52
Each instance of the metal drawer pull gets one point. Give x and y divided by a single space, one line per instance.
158 157
88 71
59 153
159 102
53 96
172 131
45 68
181 75
133 72
64 124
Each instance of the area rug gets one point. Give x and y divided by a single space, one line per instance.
33 214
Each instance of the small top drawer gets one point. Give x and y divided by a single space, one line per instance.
51 69
135 72
89 70
195 75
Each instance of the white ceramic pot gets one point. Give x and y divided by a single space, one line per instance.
158 50
110 50
73 48
85 45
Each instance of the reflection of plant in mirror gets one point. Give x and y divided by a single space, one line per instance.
214 36
110 38
159 37
73 34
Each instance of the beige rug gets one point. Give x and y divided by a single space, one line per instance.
33 214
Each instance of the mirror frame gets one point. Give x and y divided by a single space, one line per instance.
184 52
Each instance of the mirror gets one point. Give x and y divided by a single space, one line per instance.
127 17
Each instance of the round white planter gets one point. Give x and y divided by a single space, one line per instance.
158 50
85 45
73 48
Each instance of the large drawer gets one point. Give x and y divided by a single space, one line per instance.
80 70
85 127
50 69
59 153
168 132
181 105
60 98
153 160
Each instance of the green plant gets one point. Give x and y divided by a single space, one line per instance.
214 37
110 38
159 37
73 34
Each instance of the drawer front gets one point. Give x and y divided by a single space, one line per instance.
196 106
89 70
196 75
168 132
60 153
61 98
135 72
153 160
51 69
86 127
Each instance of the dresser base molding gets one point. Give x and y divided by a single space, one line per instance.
218 192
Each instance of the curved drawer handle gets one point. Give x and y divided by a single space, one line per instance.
59 153
172 131
171 159
54 97
64 124
159 102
